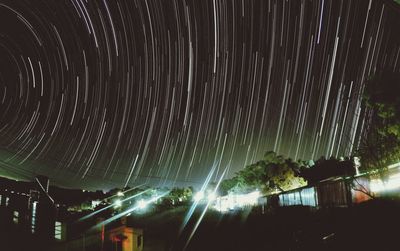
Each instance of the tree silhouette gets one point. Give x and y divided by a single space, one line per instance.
327 168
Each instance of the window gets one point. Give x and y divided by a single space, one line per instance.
57 230
139 240
33 219
16 217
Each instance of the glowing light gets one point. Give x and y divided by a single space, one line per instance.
212 196
378 185
198 196
141 204
357 164
196 202
204 211
95 203
111 205
394 165
117 203
126 212
120 194
233 201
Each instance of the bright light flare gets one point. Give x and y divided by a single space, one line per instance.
204 211
196 202
212 196
199 196
378 185
233 201
111 205
117 203
128 211
141 204
394 165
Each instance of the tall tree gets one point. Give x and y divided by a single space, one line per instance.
381 144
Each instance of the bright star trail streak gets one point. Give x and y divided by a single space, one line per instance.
116 93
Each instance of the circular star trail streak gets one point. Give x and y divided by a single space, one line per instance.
114 93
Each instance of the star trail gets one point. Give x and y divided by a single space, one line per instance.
117 93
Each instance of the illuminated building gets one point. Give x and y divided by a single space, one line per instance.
116 236
31 213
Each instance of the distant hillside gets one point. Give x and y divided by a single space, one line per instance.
60 195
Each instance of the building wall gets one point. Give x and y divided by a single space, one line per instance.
133 238
30 212
121 238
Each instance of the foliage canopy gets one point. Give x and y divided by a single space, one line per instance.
272 173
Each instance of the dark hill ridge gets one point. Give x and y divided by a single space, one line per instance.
60 195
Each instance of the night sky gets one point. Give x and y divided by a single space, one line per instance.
114 93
